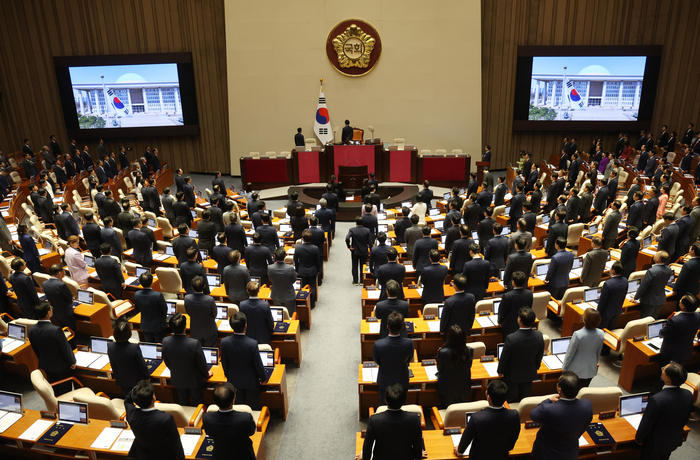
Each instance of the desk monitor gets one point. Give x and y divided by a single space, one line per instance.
193 233
407 204
85 297
500 349
277 314
559 346
381 215
439 224
141 270
545 219
297 284
281 242
211 356
193 213
214 280
89 261
256 279
151 222
172 308
542 269
647 242
434 212
496 306
285 228
578 263
507 212
593 229
169 250
11 402
221 312
48 245
204 254
633 404
505 231
383 228
475 235
446 196
440 308
633 286
267 358
72 412
653 329
249 239
502 274
99 345
151 350
462 191
443 238
592 295
17 331
381 207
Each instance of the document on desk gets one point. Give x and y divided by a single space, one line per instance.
654 344
369 374
123 444
9 345
577 272
374 294
582 441
650 252
455 441
484 321
431 371
100 362
420 291
166 373
374 328
161 257
434 326
585 305
552 362
9 419
634 420
85 358
225 326
130 280
189 443
35 431
106 438
491 368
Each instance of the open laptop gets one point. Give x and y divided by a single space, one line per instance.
139 271
653 334
541 271
593 229
152 354
222 312
211 356
577 266
213 280
72 412
499 349
169 251
632 408
505 231
46 249
86 297
632 289
507 212
151 222
99 345
434 212
249 239
545 219
193 213
171 306
647 242
556 359
268 360
297 284
496 306
383 228
446 196
591 296
671 281
256 279
11 409
406 204
440 308
89 261
439 225
204 254
277 314
286 229
16 337
381 215
193 233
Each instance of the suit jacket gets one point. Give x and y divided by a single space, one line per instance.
686 163
390 271
269 237
511 304
661 428
188 271
684 226
260 324
421 251
220 254
477 272
127 363
628 256
484 232
189 195
231 432
51 347
411 235
593 267
583 352
182 213
556 230
650 209
61 299
346 134
585 207
156 433
393 354
433 280
112 208
573 206
497 252
460 254
168 202
202 311
667 240
559 268
124 222
393 435
258 259
240 360
180 246
499 195
689 279
124 161
635 218
29 168
282 277
458 309
563 423
516 209
452 234
519 261
307 260
70 226
110 273
652 288
630 194
454 375
678 334
101 175
236 238
207 234
153 310
31 253
184 357
612 297
600 202
109 235
235 278
492 433
521 356
384 308
143 247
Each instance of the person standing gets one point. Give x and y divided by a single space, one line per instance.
392 304
308 264
153 310
512 302
392 270
594 263
229 429
521 357
31 253
125 358
651 294
610 225
358 241
392 354
433 280
584 348
282 276
346 133
258 314
421 250
680 331
201 309
23 285
629 252
557 277
459 309
59 296
454 364
142 245
235 278
75 261
612 298
258 258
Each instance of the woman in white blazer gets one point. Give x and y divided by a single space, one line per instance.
584 348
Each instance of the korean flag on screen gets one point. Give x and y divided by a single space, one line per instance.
574 96
116 103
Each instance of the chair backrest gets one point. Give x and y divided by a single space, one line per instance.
538 262
131 266
426 153
264 347
670 156
457 151
540 300
637 275
479 349
498 210
176 410
658 226
571 294
16 178
45 390
455 413
72 285
603 398
310 141
164 224
406 407
633 328
547 341
180 306
5 268
3 325
675 187
484 305
40 278
400 143
101 297
442 152
170 280
99 408
527 404
574 234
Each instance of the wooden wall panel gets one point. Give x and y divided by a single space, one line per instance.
32 32
507 24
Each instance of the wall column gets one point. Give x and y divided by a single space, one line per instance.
178 106
145 100
636 94
82 105
619 94
160 96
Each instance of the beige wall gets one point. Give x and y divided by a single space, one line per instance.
426 87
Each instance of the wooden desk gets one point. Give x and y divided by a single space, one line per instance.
641 361
573 316
93 319
21 360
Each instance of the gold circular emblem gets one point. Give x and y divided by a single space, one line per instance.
53 433
210 448
353 47
599 433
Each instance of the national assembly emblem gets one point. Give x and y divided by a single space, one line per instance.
353 47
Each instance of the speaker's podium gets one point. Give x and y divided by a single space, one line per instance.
352 177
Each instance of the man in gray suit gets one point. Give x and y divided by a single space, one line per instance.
594 263
610 225
236 278
667 240
488 179
168 201
520 233
695 225
519 261
411 235
282 277
651 294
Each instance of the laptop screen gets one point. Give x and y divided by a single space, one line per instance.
591 295
508 210
172 307
221 312
500 349
647 241
406 204
446 195
542 269
593 229
277 314
169 251
151 222
653 329
249 239
633 404
496 306
505 231
502 274
141 270
383 228
47 245
17 331
381 215
99 345
194 213
268 358
633 286
440 308
11 402
211 355
559 346
89 261
285 227
193 233
85 296
204 254
72 412
545 219
151 350
443 238
439 224
297 284
434 212
577 263
214 280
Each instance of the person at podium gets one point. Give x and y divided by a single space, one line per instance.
299 139
347 132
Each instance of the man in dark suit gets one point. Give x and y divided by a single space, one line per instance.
573 206
168 202
391 270
49 343
611 224
516 207
182 243
586 204
230 430
427 193
206 230
412 234
633 189
518 180
500 193
125 221
70 226
557 277
392 354
612 297
256 217
689 134
150 197
124 161
111 207
110 272
564 419
680 331
201 309
126 360
28 165
308 263
484 231
153 310
519 261
325 217
346 133
477 273
240 360
190 269
433 279
188 189
458 309
332 199
688 281
55 148
59 296
574 169
594 263
87 159
393 434
452 212
600 202
669 235
651 207
557 230
487 154
258 314
496 251
218 180
236 238
491 432
460 250
258 258
651 294
391 304
635 217
45 206
101 174
268 234
282 277
512 302
370 222
184 357
155 432
377 255
235 278
358 241
421 250
684 226
109 235
181 210
141 244
629 252
521 357
220 254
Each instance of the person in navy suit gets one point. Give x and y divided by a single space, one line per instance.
392 304
458 309
679 332
377 255
230 429
258 314
70 226
110 237
496 251
220 253
24 288
688 281
492 432
201 309
190 269
421 250
60 297
268 234
651 207
391 270
370 222
512 302
516 207
258 258
92 233
660 431
153 310
155 432
521 357
392 354
433 279
484 232
629 252
564 419
141 244
358 240
31 253
519 261
394 434
110 272
128 366
557 278
612 297
325 217
477 272
308 263
460 250
184 357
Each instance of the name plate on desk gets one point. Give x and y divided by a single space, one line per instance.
429 317
281 327
118 424
55 433
413 286
487 359
372 319
193 430
47 414
607 414
599 434
371 288
428 362
485 313
451 431
369 364
530 424
638 338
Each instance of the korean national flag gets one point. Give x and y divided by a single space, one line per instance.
117 104
574 96
322 122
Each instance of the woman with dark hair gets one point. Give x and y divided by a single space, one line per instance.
299 221
454 364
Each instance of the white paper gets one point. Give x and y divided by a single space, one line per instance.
577 272
85 358
441 246
123 444
225 326
634 420
165 373
369 374
420 291
431 371
373 294
410 268
9 345
100 362
491 368
106 438
8 420
434 326
552 362
374 328
656 342
189 442
582 441
161 257
130 280
455 441
128 252
35 431
651 252
484 321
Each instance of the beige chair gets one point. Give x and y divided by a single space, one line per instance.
431 309
571 294
310 141
180 306
164 224
527 404
547 341
100 407
40 278
637 275
72 285
16 178
658 226
498 211
692 384
400 143
261 417
117 308
407 407
603 398
537 263
184 415
574 234
120 234
484 305
479 349
45 390
455 414
617 338
540 300
170 281
457 151
426 153
440 152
